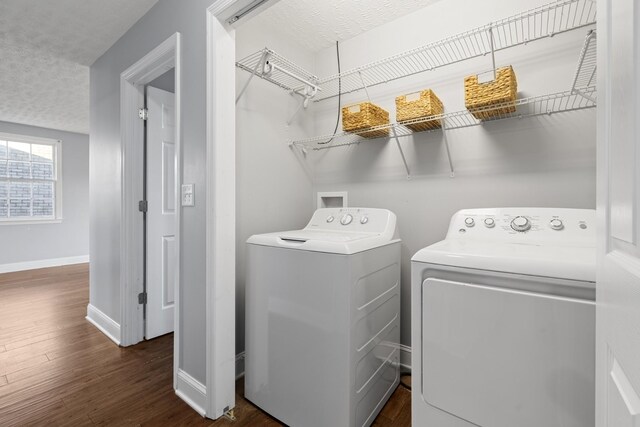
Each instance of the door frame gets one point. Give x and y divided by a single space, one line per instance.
221 200
132 82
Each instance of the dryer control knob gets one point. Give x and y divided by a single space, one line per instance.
489 222
556 224
364 220
521 223
469 222
330 218
346 219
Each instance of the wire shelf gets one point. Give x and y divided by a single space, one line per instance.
526 107
585 77
535 24
270 66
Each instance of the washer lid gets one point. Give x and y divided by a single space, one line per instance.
563 262
337 242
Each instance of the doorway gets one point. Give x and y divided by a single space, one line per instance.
160 206
133 260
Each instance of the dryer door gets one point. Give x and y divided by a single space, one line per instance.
502 358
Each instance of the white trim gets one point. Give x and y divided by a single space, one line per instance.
15 137
43 263
104 323
192 391
240 365
30 221
405 358
132 81
220 217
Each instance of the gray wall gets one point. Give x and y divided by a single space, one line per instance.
163 20
69 238
274 191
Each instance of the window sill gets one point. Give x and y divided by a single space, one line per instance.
30 221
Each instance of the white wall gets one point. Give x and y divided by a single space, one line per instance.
57 243
544 161
274 191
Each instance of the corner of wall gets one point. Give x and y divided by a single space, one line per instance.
192 391
104 323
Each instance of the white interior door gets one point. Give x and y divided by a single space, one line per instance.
161 213
618 281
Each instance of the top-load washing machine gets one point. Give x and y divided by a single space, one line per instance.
323 318
503 321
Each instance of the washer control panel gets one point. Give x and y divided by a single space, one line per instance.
352 219
525 224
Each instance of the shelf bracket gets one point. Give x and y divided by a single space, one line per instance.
493 53
364 86
404 160
446 146
259 65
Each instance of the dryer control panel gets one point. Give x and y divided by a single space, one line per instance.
530 225
353 219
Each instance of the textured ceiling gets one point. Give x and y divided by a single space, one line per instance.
46 48
317 24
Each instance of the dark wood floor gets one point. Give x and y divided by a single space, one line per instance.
57 369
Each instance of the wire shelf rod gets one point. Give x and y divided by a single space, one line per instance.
545 21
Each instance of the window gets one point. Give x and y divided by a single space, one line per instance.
30 185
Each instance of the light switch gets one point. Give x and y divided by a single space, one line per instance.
188 195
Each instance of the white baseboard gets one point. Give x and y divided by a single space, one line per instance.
405 358
239 365
43 263
193 392
107 325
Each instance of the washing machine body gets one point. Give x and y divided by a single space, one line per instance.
323 318
503 321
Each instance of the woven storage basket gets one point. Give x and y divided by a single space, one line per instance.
359 118
428 104
480 96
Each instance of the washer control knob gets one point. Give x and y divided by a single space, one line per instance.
521 223
346 219
364 220
556 224
330 218
489 222
469 222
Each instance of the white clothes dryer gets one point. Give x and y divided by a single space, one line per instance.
323 318
503 321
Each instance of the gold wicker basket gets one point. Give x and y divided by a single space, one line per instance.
359 118
480 97
409 108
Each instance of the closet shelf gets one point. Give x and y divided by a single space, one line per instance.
542 22
525 107
546 21
270 66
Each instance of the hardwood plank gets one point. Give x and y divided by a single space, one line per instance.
58 369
